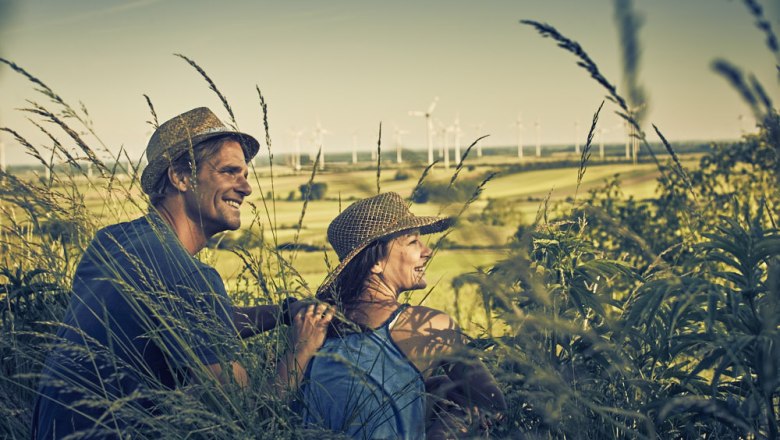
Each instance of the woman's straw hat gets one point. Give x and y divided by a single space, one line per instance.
371 219
182 133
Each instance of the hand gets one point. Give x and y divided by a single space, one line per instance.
299 305
310 326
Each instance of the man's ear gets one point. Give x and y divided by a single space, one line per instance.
179 181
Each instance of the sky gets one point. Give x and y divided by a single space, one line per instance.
351 64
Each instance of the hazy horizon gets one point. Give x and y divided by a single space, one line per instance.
352 65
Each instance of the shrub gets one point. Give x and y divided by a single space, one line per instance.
315 191
401 175
442 192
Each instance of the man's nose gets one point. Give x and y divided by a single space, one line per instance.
243 186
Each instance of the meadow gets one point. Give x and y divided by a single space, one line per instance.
642 305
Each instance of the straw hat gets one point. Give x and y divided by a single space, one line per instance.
176 136
371 219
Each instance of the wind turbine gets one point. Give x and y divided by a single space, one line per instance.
354 147
741 119
538 126
319 133
129 170
398 134
577 137
2 157
519 125
445 147
628 139
296 159
602 131
429 125
478 128
457 132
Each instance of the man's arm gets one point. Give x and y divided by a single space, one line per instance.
250 321
253 320
239 375
306 335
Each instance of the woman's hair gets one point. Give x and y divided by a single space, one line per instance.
351 281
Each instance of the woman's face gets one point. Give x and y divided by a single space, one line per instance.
404 266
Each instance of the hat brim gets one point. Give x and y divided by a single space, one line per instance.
426 225
154 170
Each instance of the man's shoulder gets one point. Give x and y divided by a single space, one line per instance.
145 242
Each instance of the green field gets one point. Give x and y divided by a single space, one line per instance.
279 218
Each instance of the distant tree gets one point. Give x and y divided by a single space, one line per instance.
316 191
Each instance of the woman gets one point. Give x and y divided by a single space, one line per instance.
368 380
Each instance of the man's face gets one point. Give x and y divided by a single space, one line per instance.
221 185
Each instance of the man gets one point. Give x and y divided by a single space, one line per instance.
145 315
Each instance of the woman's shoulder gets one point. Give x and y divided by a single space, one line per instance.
429 318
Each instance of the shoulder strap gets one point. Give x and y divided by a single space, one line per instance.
391 319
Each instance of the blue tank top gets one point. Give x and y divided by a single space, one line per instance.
362 385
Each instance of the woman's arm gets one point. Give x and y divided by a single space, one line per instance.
306 335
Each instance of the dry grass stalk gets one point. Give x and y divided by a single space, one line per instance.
213 88
379 159
463 159
153 122
585 154
678 166
421 180
91 157
766 27
307 195
264 109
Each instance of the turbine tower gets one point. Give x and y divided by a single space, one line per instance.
478 128
577 137
519 126
296 157
445 148
538 126
398 134
2 157
319 133
457 132
129 170
601 132
628 139
354 147
429 125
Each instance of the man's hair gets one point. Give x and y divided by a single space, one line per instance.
188 163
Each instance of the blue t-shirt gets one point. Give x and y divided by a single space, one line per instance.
364 386
142 310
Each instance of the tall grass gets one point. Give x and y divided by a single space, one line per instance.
609 317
